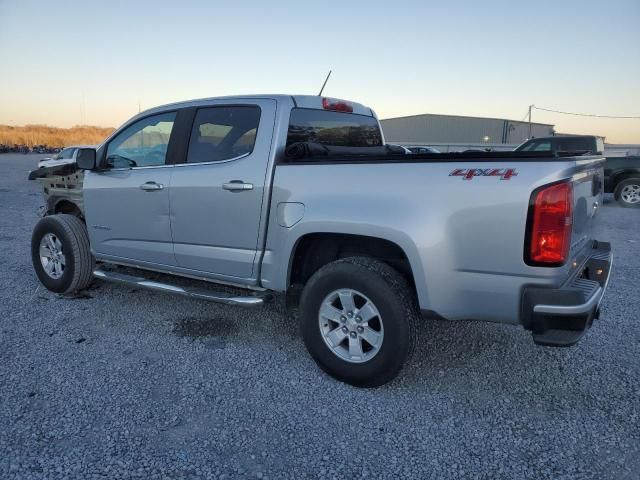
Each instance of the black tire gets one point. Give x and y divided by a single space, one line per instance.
618 194
395 301
79 263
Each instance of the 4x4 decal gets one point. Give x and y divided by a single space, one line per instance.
469 173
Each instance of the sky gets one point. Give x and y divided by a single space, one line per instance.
65 63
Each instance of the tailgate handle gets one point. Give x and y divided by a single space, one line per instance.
237 186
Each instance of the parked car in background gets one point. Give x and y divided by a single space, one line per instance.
399 149
66 155
422 149
591 144
622 178
621 174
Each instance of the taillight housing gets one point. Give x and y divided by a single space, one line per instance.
549 225
337 105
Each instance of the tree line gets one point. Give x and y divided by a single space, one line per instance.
53 137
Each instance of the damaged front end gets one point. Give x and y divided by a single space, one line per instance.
61 189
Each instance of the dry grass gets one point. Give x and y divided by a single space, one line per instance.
31 135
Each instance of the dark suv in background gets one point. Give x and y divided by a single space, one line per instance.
622 178
564 143
621 174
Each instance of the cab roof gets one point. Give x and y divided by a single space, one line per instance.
300 101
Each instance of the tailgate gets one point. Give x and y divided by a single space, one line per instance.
587 198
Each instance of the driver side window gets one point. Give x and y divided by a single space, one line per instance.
142 144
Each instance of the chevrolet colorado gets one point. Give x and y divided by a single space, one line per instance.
299 195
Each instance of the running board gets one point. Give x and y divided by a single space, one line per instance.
253 300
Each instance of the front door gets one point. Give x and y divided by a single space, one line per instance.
127 200
217 194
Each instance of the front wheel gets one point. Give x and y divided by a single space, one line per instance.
358 320
627 192
60 253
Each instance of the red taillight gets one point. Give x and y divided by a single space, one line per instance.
550 225
336 105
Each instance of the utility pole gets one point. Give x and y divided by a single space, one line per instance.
530 107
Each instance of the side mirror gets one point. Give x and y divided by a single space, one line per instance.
86 158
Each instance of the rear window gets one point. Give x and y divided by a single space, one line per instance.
574 144
333 128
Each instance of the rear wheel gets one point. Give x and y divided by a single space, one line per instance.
358 320
627 192
60 253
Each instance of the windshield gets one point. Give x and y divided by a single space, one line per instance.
65 154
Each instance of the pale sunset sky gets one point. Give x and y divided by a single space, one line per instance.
65 63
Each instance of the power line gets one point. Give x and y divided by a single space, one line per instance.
585 114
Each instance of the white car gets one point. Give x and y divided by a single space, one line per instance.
67 155
423 149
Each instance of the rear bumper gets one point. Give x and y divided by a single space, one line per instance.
559 317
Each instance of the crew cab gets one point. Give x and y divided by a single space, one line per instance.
298 197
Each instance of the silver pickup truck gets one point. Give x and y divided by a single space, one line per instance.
299 195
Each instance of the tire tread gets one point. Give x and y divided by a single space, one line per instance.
83 271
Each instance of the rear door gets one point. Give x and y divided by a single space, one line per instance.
216 193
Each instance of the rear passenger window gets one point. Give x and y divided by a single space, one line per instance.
222 133
574 145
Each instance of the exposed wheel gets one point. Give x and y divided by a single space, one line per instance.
358 320
627 192
60 253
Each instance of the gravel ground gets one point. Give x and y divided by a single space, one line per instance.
121 383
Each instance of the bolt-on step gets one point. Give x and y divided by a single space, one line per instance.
253 300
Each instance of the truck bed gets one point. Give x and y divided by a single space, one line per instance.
315 153
460 218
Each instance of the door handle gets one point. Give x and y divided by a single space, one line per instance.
151 186
237 186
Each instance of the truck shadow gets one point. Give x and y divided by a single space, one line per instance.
458 355
453 355
196 327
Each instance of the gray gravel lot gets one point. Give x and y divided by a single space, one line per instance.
133 384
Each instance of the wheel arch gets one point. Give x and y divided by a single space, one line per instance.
313 250
621 176
63 205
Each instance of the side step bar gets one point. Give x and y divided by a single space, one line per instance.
253 300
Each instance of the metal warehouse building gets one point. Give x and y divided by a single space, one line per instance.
452 132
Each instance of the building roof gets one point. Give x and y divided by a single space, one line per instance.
465 117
